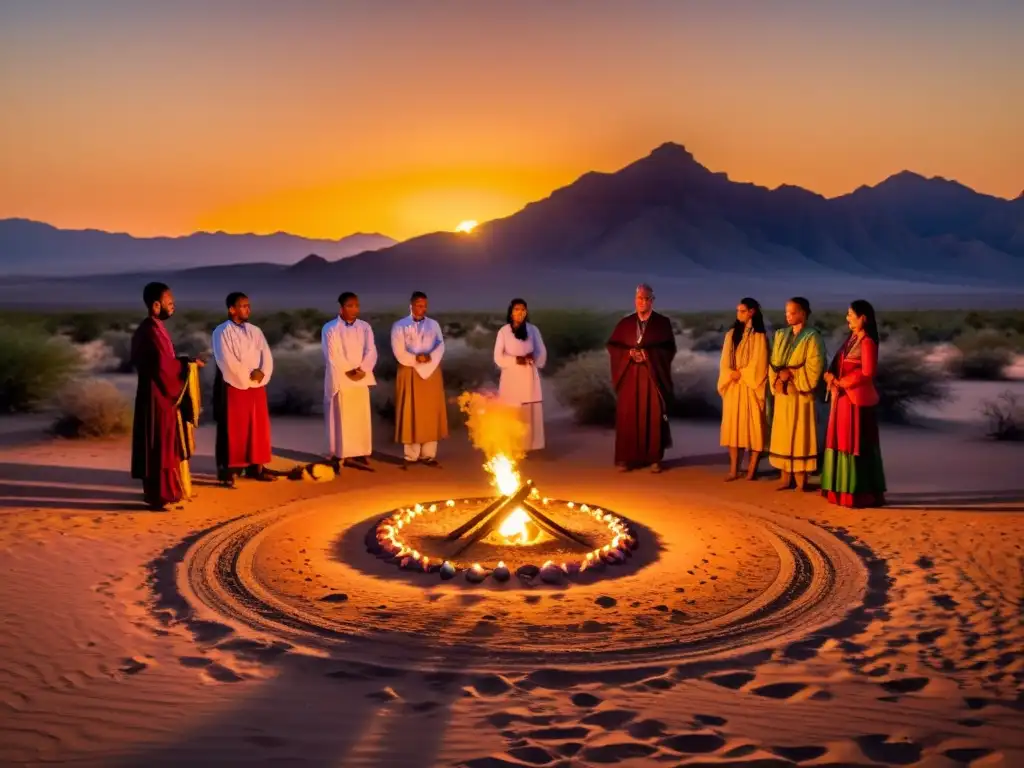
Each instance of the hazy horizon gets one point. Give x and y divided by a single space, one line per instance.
406 119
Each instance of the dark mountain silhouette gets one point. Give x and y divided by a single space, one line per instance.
33 248
701 238
666 214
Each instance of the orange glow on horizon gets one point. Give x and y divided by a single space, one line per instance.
340 118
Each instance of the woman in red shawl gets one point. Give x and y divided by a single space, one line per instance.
852 474
641 349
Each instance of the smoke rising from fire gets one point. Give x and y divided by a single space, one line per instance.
495 428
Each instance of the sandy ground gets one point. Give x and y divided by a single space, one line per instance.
752 628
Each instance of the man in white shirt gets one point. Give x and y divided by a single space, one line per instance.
421 417
244 368
349 357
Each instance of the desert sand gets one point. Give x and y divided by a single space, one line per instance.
751 627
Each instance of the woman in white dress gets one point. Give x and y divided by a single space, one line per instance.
519 352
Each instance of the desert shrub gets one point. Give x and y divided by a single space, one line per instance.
709 341
297 385
1005 416
467 369
584 386
92 408
85 326
694 380
33 368
120 345
568 334
191 342
904 379
983 355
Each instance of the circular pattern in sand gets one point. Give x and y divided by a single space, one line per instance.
712 580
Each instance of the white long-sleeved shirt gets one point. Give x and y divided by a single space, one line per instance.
240 349
411 337
347 346
519 383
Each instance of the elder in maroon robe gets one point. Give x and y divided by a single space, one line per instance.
157 450
641 348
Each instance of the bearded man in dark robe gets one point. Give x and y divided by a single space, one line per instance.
641 348
157 447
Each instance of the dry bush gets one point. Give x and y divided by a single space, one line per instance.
983 355
584 386
92 408
297 385
569 334
1005 417
120 345
467 369
694 381
33 368
904 379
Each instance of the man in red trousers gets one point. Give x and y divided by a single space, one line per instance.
244 368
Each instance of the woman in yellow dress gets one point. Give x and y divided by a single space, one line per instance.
742 379
794 373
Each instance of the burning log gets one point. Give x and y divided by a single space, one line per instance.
485 522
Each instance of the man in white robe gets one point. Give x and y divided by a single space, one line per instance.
350 355
244 368
421 416
520 353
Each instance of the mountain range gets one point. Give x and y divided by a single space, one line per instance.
701 238
34 248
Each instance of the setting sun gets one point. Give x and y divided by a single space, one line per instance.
466 226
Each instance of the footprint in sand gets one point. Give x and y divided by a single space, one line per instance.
779 690
532 754
732 680
133 665
616 753
877 747
195 662
967 755
585 700
906 685
800 754
710 720
558 734
334 597
605 601
694 743
222 674
492 685
646 729
609 719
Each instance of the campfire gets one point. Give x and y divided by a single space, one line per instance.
518 526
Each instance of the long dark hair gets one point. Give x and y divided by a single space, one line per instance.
862 308
756 322
520 332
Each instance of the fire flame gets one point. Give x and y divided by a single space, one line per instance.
514 526
505 477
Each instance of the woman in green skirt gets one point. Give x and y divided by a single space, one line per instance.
852 475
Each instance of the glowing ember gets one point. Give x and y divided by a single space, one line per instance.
513 527
506 479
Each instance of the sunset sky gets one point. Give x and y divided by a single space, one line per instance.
325 118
